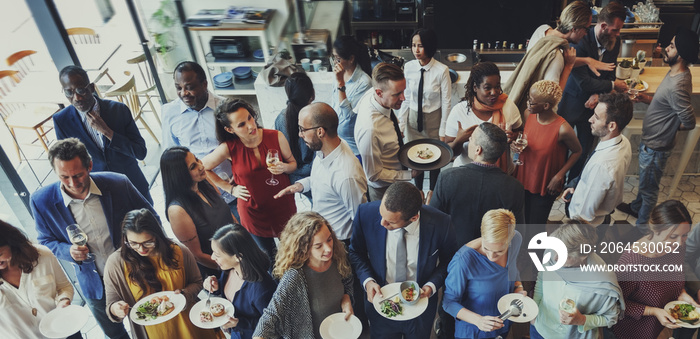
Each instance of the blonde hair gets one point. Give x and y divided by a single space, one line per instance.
573 233
498 226
549 91
576 15
296 240
383 72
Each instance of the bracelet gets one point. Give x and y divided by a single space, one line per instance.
518 286
231 191
64 298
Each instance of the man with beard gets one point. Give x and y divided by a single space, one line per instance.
105 127
669 111
583 87
190 120
336 176
600 187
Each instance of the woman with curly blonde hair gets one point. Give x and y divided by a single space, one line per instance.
315 280
550 138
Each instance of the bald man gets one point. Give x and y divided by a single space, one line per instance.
337 180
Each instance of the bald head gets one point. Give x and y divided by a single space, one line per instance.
320 114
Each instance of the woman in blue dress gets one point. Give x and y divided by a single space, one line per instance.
480 273
244 281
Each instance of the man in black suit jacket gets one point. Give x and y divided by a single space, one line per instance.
581 93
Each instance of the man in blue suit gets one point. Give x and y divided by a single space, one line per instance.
97 202
399 239
583 87
105 127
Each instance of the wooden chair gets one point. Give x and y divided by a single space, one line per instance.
24 116
22 62
83 35
102 80
127 94
148 81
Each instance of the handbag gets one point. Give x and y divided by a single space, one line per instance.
279 69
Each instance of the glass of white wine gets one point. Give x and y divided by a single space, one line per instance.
519 144
273 157
567 305
79 237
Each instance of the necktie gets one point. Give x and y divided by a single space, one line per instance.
396 127
401 260
420 101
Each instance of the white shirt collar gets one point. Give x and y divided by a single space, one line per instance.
609 143
428 65
93 190
378 107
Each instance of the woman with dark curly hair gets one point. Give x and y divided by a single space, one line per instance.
315 280
149 262
32 284
484 101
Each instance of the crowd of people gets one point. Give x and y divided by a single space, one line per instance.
229 188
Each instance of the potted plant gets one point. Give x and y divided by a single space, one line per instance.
641 59
624 69
161 25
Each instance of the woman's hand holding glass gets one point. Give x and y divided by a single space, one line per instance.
119 309
211 284
573 318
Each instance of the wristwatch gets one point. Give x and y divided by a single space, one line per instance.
341 88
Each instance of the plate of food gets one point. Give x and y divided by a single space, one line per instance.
157 308
215 316
424 153
64 321
335 327
390 306
640 85
529 311
685 313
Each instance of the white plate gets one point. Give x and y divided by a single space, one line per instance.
218 321
646 85
413 153
62 322
409 311
530 308
668 308
177 299
335 327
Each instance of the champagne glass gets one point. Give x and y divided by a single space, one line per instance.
566 305
79 237
273 157
519 144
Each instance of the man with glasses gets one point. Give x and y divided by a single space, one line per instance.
97 203
105 127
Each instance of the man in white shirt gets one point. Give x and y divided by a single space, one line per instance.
377 132
97 202
337 181
190 121
599 189
396 240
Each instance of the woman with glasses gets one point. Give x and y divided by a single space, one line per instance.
300 92
149 262
544 162
32 284
352 67
244 281
315 280
195 207
483 101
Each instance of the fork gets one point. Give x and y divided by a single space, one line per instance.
516 307
207 304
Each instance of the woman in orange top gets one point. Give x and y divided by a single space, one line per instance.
545 164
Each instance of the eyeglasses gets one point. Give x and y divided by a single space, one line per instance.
302 129
81 91
137 245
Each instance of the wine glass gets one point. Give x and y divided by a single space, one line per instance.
79 237
519 144
567 305
273 157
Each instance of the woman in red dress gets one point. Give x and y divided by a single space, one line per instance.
246 145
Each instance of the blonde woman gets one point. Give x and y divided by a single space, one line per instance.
597 295
316 280
480 273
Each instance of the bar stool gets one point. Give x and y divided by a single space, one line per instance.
690 142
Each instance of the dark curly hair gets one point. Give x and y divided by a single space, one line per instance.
24 254
478 73
225 108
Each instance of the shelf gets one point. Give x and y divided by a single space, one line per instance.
234 62
240 87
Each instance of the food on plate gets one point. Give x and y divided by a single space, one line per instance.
409 294
154 308
685 313
425 154
392 308
638 85
217 310
206 317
